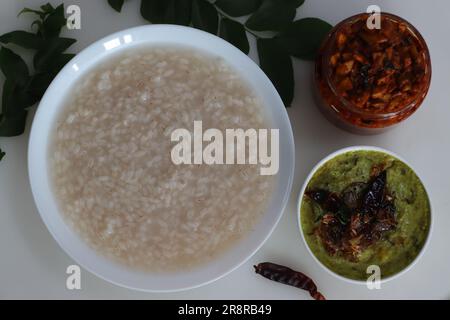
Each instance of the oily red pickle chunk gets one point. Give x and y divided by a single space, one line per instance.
379 71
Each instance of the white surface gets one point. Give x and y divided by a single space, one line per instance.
50 108
33 266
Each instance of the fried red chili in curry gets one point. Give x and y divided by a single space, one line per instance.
357 217
380 70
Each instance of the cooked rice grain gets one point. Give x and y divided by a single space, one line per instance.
111 166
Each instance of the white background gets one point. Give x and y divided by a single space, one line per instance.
33 266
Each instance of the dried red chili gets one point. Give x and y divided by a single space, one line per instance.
289 277
373 78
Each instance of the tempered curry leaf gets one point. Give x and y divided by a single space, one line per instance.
272 15
303 37
24 39
2 154
205 16
277 64
234 33
237 8
13 67
116 4
167 11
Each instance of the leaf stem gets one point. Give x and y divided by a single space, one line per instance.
224 15
251 32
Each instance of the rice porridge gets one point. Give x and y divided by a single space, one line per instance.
111 167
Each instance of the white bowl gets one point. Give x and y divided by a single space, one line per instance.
299 207
50 107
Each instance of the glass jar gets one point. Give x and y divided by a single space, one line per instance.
370 80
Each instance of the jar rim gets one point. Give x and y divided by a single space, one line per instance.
350 105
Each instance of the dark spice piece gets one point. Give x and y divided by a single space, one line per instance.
289 277
329 201
352 194
357 218
372 200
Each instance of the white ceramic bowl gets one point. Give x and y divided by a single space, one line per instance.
299 207
50 107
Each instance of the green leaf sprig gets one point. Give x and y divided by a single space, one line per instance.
300 38
23 88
